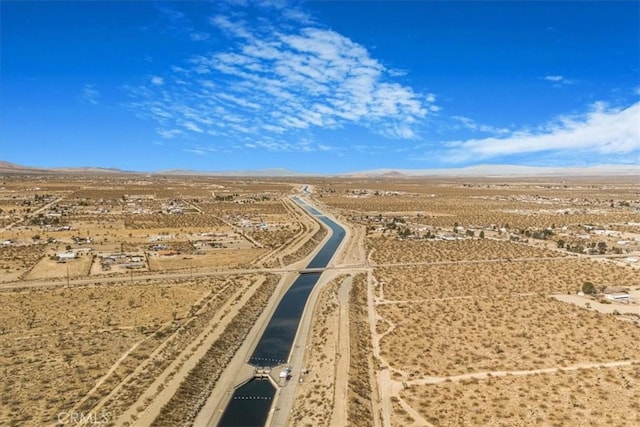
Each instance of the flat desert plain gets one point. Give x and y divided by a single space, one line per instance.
137 299
124 298
462 298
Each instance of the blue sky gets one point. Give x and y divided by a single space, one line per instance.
319 86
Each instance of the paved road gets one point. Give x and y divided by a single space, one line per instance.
348 268
163 276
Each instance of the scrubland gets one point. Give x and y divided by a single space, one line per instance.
211 222
360 392
496 279
590 397
125 347
58 343
454 337
461 271
462 278
314 401
18 260
197 385
391 250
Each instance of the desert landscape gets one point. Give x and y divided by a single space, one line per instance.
466 282
289 213
119 290
137 300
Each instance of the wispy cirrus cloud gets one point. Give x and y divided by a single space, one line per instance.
283 77
558 80
195 151
472 125
170 133
199 36
602 131
90 95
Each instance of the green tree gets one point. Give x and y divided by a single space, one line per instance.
588 288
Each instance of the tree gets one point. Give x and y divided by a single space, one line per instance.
560 243
602 247
482 234
588 288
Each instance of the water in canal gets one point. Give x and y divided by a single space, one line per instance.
250 404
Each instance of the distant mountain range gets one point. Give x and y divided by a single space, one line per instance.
470 171
275 172
7 167
506 170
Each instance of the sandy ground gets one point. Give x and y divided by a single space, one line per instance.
402 407
63 360
47 268
321 395
340 395
583 396
589 303
392 403
227 258
175 373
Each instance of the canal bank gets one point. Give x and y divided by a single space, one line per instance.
275 345
279 327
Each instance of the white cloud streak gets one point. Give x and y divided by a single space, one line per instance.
601 131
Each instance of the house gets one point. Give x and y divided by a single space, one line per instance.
616 293
132 265
66 256
618 296
168 253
